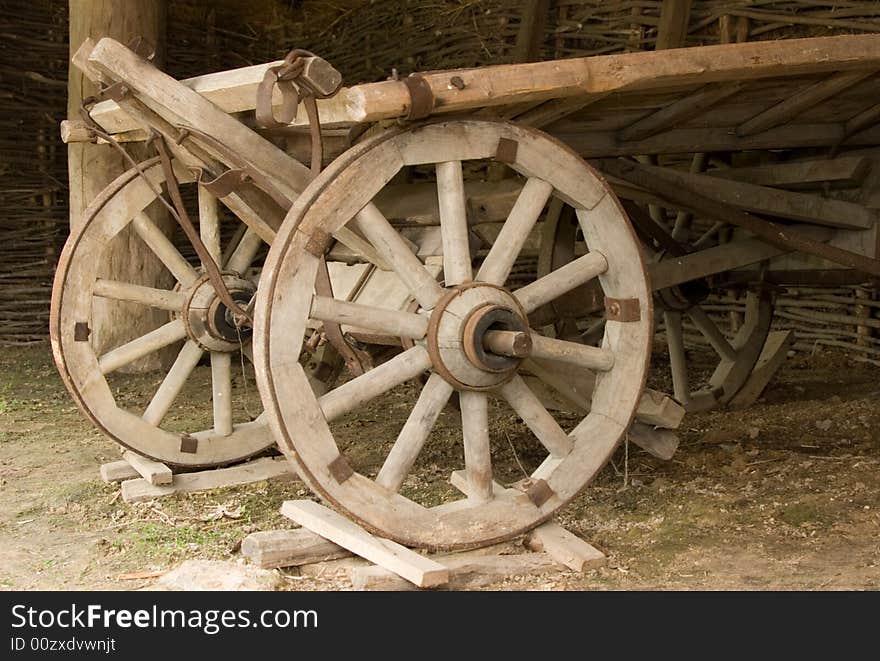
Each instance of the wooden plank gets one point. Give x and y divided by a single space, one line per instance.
269 549
154 472
841 171
673 27
771 359
804 207
134 491
467 570
794 105
564 547
660 443
685 108
117 471
417 569
234 91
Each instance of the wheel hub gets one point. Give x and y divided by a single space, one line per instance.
457 333
209 322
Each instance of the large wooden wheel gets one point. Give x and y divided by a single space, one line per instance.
469 334
561 243
194 323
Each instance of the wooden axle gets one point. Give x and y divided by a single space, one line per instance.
518 344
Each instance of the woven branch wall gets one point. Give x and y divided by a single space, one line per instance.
367 40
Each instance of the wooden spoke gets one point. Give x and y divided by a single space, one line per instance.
173 383
711 332
163 299
677 359
510 240
142 346
561 281
221 397
453 223
362 389
537 418
475 433
582 355
209 223
415 432
164 249
244 253
394 249
391 322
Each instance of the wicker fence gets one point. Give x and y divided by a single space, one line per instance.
367 41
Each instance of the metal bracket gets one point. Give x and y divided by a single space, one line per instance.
340 469
226 183
506 151
540 492
421 97
81 331
189 444
622 309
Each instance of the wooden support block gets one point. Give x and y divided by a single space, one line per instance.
659 410
404 562
564 547
771 359
269 549
117 471
134 491
660 443
154 472
466 570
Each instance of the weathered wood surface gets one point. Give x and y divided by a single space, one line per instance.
154 472
564 547
235 91
134 491
269 549
415 568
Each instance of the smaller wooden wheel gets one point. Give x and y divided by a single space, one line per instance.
470 334
188 315
576 317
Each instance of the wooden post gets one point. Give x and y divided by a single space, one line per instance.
91 167
674 16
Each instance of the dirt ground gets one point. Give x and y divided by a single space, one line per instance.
785 495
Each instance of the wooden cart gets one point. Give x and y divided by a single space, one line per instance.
458 236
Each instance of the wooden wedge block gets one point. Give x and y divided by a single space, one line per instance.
118 471
269 549
564 547
134 491
660 443
466 570
771 359
659 409
415 568
153 472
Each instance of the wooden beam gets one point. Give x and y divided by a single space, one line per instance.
179 104
793 106
408 564
154 472
674 18
597 144
235 91
269 549
682 109
803 207
690 198
842 171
